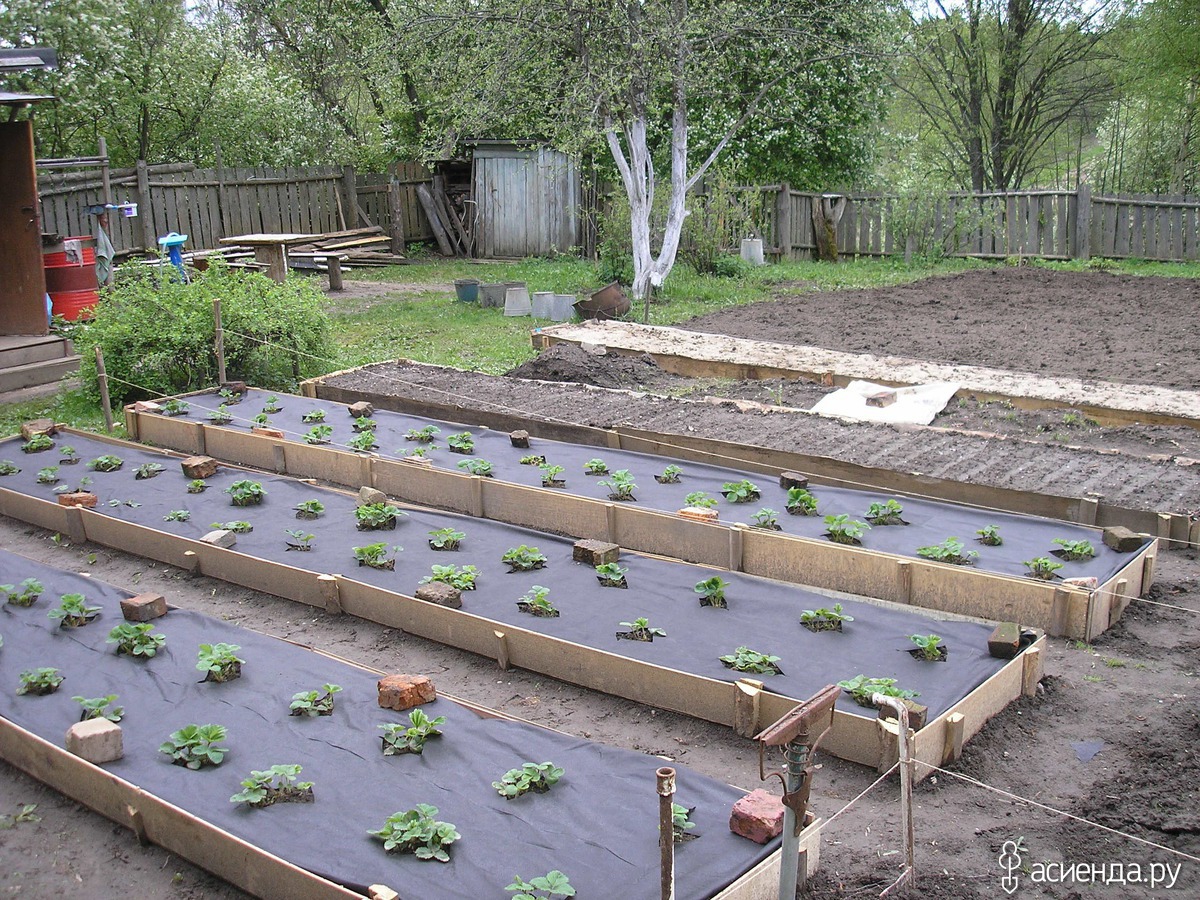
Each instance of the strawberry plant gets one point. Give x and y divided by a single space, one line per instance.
949 551
416 831
595 467
8 467
313 417
219 662
670 475
73 611
148 470
699 500
272 406
445 539
743 659
37 444
309 509
536 777
537 603
463 442
197 486
550 475
362 424
424 435
377 516
1042 568
1074 551
640 629
929 647
24 594
990 535
69 455
260 420
106 463
318 434
398 739
612 575
136 639
363 442
195 746
40 682
533 459
177 515
48 475
523 559
100 708
246 492
314 703
862 689
887 513
766 519
544 887
461 578
235 527
277 784
375 556
824 619
476 467
621 486
221 415
740 491
175 407
681 823
712 591
800 502
230 396
844 530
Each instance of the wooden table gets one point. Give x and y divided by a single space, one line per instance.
271 249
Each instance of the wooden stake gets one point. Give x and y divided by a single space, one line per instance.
335 273
219 331
102 375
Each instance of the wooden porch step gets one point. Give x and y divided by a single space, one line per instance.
47 371
21 350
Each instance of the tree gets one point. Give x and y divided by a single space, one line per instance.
631 74
996 80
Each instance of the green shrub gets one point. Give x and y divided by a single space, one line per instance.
158 333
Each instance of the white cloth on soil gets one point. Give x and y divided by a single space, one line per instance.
915 405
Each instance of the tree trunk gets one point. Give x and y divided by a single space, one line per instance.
826 214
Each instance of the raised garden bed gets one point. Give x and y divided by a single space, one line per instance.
681 672
887 565
355 787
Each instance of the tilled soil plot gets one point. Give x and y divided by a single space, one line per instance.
1140 329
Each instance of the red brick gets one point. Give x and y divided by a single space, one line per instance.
698 513
758 816
85 499
144 607
519 439
199 466
267 432
1005 640
401 692
1122 540
440 593
362 410
595 553
792 479
881 398
38 426
220 538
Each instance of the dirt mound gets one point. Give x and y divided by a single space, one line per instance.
568 362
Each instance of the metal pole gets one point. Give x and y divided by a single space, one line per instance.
220 340
795 755
907 770
666 830
102 375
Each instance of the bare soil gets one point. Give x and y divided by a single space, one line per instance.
1134 690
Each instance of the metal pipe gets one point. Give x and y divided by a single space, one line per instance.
795 756
666 830
907 770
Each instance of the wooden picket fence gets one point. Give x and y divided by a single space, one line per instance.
1043 224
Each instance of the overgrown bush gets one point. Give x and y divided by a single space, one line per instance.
157 333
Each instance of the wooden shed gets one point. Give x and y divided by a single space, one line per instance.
527 199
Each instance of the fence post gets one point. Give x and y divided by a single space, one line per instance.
222 199
396 217
102 377
145 214
350 196
783 221
1081 246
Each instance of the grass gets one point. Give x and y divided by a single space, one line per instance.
421 321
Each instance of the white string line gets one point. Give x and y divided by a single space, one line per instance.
1058 812
878 781
550 418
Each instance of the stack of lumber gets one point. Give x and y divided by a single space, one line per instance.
355 247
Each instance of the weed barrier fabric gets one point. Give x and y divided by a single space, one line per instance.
599 824
930 522
763 615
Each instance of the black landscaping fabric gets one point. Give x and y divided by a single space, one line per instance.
763 615
930 522
598 824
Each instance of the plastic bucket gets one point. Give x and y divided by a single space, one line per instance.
516 301
492 294
543 304
466 290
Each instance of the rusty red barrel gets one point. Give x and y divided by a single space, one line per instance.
72 284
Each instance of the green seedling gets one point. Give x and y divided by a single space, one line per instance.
740 491
40 682
700 500
544 887
174 407
148 470
743 659
949 551
681 823
236 527
8 467
416 831
73 611
37 444
398 738
800 502
195 746
377 516
313 417
595 466
309 509
424 435
670 475
842 529
536 777
620 486
300 540
461 578
533 459
612 575
929 647
277 784
445 539
376 556
862 689
476 467
197 486
523 559
260 420
69 455
314 703
1042 567
640 629
272 406
463 442
219 662
886 513
318 434
177 515
221 415
712 592
766 519
106 463
230 396
136 639
537 603
363 442
1074 551
989 535
363 424
550 475
24 594
246 492
100 708
48 475
825 619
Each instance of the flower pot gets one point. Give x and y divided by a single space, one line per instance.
492 294
516 301
543 304
466 290
609 302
